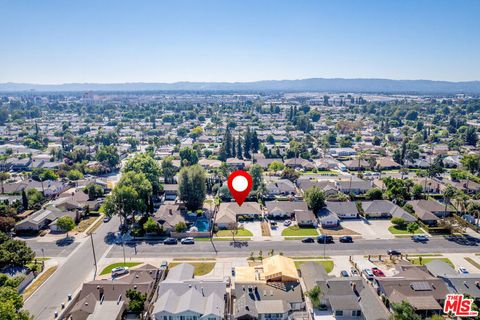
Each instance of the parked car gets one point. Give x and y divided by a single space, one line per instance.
170 241
308 240
286 223
354 272
368 274
462 270
164 265
394 253
420 238
233 271
106 219
118 271
344 273
187 240
324 239
273 224
377 272
346 239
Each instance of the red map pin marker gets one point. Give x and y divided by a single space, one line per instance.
240 184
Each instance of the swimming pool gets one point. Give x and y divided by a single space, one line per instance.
202 224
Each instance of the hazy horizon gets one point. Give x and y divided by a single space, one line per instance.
57 42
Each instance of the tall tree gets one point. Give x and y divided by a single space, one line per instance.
239 148
315 199
192 186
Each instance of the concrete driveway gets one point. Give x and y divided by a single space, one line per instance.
369 229
255 227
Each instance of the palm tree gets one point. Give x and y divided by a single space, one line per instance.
448 194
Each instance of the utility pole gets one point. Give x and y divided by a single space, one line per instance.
94 257
123 247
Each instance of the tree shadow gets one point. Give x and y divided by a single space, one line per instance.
65 241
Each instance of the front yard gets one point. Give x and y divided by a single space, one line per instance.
403 231
228 233
200 268
296 231
422 261
108 269
327 264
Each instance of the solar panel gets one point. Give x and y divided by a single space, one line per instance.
421 286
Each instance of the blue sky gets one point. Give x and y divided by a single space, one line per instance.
110 41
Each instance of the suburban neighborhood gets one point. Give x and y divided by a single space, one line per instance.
239 160
361 207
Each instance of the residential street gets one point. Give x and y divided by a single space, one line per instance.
290 247
71 274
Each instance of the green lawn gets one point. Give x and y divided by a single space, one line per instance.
108 269
296 231
240 233
327 264
473 262
396 230
200 268
427 260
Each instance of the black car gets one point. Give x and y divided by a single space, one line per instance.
344 274
308 240
346 239
324 239
394 253
170 241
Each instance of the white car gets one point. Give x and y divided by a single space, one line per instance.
286 223
118 271
462 270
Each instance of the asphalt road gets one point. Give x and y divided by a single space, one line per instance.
71 274
290 247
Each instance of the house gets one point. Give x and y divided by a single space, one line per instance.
328 187
274 269
106 299
267 301
343 210
49 188
467 186
305 218
425 293
210 163
327 218
238 163
353 186
284 208
265 162
466 284
430 185
44 218
386 163
169 215
356 164
229 211
281 187
345 297
299 163
429 211
170 192
385 209
268 291
341 152
181 296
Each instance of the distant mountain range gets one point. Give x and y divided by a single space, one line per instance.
313 84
